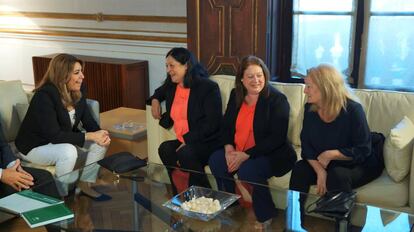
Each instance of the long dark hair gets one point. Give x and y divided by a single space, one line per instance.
194 68
241 91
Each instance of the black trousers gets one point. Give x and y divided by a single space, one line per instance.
339 178
43 183
191 156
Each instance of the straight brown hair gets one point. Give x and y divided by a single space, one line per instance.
59 73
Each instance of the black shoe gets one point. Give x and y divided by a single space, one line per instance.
102 197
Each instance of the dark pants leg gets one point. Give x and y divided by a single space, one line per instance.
6 190
169 157
258 171
191 156
195 157
43 183
218 167
347 178
302 177
339 178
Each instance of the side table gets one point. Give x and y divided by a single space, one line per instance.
128 130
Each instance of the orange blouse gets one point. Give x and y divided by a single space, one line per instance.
244 137
179 112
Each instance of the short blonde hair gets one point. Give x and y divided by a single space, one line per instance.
59 73
334 91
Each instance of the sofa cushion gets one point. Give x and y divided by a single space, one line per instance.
398 148
11 93
403 133
387 108
226 84
392 194
363 97
296 99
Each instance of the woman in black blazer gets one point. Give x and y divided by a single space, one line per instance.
254 134
193 108
51 132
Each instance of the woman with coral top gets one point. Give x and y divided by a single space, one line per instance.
193 108
254 132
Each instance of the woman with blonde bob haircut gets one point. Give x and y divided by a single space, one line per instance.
333 89
58 125
335 138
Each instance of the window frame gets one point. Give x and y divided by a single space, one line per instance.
281 42
364 41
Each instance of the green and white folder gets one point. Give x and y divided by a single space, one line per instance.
25 201
35 208
47 215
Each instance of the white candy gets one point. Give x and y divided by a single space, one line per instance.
202 205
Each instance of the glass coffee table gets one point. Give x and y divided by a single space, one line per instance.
138 199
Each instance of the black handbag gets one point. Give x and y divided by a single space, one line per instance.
333 204
122 162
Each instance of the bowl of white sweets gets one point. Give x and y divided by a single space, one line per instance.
201 203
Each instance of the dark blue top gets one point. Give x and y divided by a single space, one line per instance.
349 133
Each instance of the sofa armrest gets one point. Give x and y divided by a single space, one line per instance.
411 182
94 108
29 95
155 136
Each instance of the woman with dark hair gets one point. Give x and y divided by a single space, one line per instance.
254 135
51 132
193 108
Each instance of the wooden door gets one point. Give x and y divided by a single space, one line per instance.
221 32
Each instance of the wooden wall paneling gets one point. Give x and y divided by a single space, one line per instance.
221 32
111 81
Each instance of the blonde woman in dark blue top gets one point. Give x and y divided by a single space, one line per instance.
335 138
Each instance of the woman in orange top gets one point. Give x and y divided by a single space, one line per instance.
193 107
254 133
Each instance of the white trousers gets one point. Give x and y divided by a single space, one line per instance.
64 156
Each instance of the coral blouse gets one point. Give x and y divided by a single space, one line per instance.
244 137
179 112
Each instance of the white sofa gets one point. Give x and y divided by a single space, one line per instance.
14 101
384 109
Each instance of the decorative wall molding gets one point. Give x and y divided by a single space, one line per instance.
125 27
110 29
95 35
99 17
91 43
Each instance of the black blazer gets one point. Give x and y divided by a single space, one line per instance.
47 121
6 154
203 113
270 126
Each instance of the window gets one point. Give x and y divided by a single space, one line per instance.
322 33
390 45
334 31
